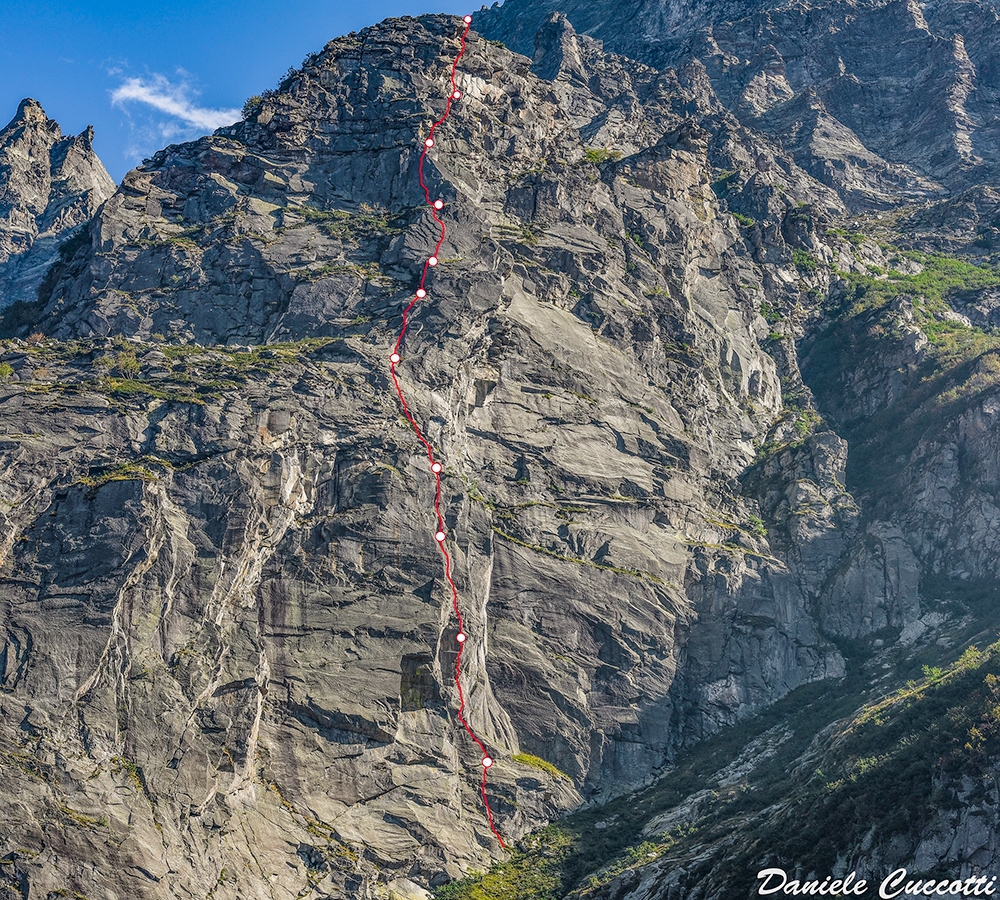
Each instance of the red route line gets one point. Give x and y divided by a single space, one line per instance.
440 535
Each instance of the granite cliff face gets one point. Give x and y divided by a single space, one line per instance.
714 439
883 101
49 186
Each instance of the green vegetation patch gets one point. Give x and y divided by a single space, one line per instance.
191 373
26 763
533 872
355 225
771 315
251 106
130 470
132 771
599 155
852 237
536 762
942 277
132 388
370 271
888 766
887 771
865 324
82 819
199 374
805 262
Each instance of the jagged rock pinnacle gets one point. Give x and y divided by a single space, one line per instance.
49 186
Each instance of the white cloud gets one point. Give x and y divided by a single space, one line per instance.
175 100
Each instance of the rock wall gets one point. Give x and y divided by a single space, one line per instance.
225 643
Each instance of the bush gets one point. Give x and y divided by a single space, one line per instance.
770 314
127 364
852 237
6 370
804 261
598 155
251 106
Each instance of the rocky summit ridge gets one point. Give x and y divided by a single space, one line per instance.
711 364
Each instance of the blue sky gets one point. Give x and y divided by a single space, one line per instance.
149 74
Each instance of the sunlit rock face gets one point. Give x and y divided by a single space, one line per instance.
49 186
226 642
